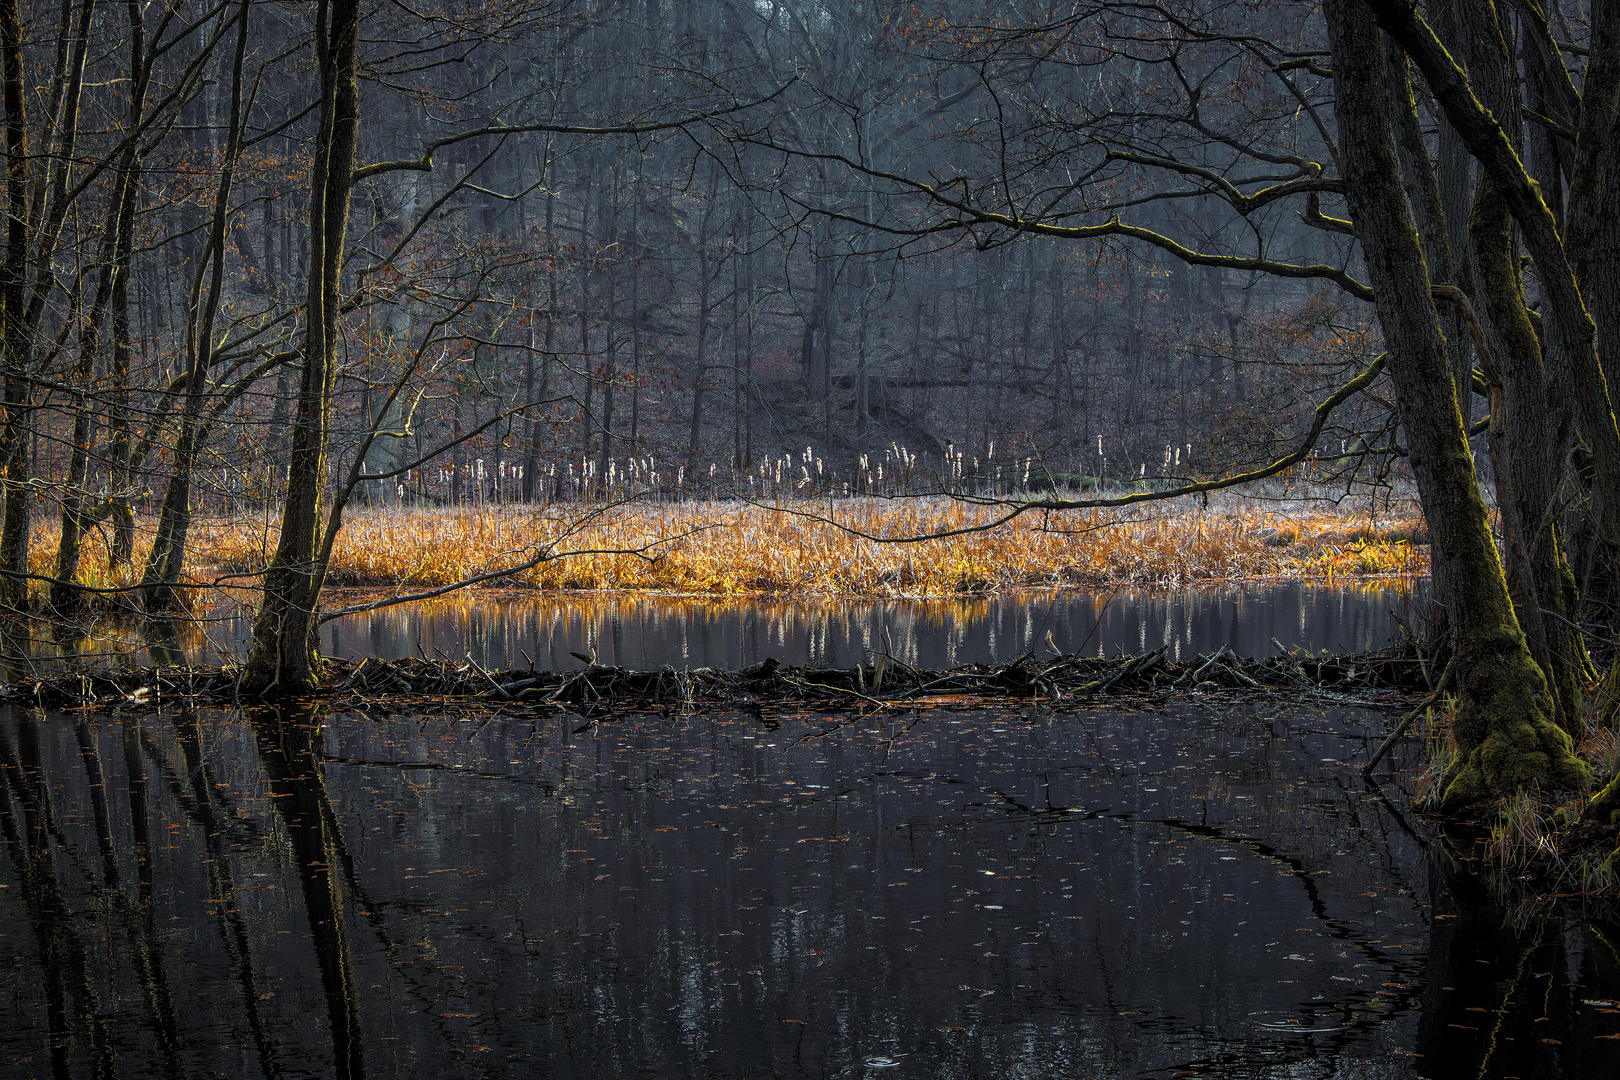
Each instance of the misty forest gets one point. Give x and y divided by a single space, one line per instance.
646 401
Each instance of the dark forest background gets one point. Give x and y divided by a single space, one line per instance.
735 268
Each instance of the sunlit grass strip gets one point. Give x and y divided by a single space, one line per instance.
109 587
720 548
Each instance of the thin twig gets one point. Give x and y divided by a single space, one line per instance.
1406 721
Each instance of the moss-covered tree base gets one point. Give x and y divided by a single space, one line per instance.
1604 809
1506 726
285 658
291 677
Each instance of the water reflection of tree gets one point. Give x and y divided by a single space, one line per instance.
76 912
163 645
94 925
145 942
213 813
91 813
290 756
1498 999
28 818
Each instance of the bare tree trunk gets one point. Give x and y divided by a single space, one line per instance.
531 467
608 214
284 654
161 577
863 366
700 363
111 293
15 353
120 480
635 312
63 596
531 427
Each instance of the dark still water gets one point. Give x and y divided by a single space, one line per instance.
908 893
646 632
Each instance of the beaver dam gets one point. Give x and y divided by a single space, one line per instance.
1387 677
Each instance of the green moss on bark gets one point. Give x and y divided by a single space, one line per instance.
1505 726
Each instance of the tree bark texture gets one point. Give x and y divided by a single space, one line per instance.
284 656
1505 718
15 353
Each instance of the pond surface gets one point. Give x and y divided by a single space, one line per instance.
510 630
646 632
1196 891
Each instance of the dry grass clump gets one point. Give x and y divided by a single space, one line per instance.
94 566
722 548
1534 836
1600 748
1525 833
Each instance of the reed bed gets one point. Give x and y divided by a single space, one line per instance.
96 571
816 548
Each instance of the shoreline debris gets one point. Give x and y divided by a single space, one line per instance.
884 681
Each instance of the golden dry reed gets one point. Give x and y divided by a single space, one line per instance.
95 570
795 548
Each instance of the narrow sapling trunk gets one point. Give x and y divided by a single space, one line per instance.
64 596
160 579
284 653
14 350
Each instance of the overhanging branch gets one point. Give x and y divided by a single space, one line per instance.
1018 507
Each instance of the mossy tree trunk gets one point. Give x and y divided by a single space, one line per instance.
1532 420
1531 435
1505 722
284 657
1566 253
1531 430
1592 236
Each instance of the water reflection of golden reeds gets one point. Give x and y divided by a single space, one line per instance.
635 629
100 640
640 628
591 623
